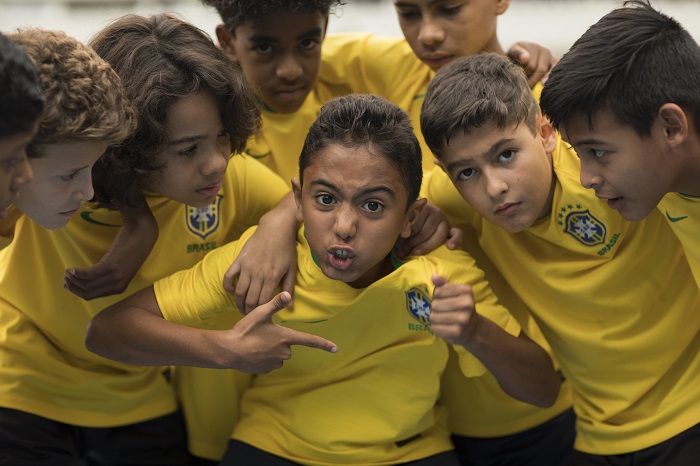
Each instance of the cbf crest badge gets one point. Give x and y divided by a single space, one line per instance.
418 305
582 225
203 221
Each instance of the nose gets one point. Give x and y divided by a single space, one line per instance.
289 68
24 173
589 177
495 185
84 190
217 160
430 32
345 223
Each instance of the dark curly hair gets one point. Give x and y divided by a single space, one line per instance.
22 98
236 12
160 60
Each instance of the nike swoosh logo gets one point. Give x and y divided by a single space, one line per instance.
255 156
675 219
87 217
281 321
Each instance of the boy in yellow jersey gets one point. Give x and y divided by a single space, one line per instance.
86 110
21 102
60 403
373 400
629 104
490 428
627 339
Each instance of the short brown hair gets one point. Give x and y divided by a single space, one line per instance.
473 91
84 98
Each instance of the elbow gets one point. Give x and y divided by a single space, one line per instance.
91 339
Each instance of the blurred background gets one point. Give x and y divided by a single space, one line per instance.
553 23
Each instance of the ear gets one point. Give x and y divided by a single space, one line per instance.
547 133
674 123
411 216
226 41
439 164
502 6
296 187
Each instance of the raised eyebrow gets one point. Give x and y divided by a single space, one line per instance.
364 192
587 142
408 4
492 151
186 139
257 38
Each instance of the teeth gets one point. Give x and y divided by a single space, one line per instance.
340 254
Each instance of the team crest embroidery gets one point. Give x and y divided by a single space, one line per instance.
203 221
418 305
582 225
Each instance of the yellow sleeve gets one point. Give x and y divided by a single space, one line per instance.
370 64
196 296
257 189
439 190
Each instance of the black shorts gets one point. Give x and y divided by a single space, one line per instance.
29 440
549 444
681 450
243 454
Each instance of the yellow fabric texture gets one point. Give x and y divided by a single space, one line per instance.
615 300
378 389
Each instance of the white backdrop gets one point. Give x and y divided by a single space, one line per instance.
554 23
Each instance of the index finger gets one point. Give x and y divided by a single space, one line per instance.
312 341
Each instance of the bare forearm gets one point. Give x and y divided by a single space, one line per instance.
283 215
132 335
523 369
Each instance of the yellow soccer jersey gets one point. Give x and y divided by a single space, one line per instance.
45 368
478 406
373 402
683 214
625 331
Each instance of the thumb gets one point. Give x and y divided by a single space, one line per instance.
279 302
312 341
519 54
87 273
438 280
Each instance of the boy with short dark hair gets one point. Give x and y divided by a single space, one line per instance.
360 176
568 257
21 102
626 97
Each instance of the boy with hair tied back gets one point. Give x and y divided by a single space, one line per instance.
372 399
568 257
